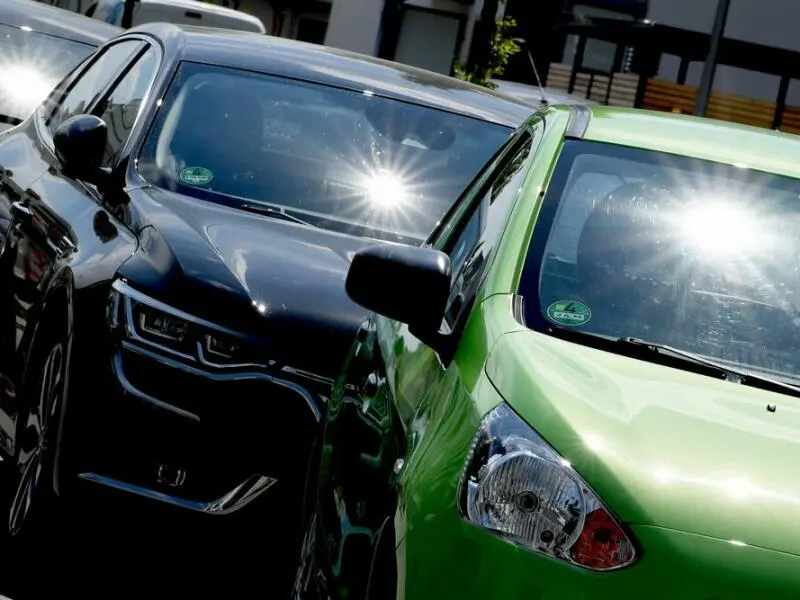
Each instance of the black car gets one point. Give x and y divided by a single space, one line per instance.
39 45
172 301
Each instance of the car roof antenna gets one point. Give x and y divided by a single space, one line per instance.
543 99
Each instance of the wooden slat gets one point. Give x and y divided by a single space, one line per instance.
623 86
673 97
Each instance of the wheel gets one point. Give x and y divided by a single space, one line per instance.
32 505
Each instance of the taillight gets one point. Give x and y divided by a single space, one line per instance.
518 487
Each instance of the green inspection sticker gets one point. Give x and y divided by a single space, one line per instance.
569 312
196 176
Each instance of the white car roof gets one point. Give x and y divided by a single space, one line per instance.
209 8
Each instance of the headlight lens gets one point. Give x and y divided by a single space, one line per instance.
517 486
160 325
153 324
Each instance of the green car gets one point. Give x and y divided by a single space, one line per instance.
586 384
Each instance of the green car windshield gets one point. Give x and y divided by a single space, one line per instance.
692 254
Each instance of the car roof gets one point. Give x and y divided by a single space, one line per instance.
58 22
721 141
332 66
209 8
533 94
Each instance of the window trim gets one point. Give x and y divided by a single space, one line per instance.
145 99
69 82
479 204
456 219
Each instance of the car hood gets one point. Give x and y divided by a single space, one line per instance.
261 276
661 446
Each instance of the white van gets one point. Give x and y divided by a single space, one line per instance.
181 12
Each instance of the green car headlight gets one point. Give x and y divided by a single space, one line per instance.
516 486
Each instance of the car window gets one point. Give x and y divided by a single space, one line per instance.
121 107
93 81
347 161
470 251
689 253
31 65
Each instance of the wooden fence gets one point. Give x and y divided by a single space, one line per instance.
668 96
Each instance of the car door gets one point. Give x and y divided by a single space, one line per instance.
379 412
61 231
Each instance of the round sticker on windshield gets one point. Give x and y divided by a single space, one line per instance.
569 312
196 176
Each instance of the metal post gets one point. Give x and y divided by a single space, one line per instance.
710 67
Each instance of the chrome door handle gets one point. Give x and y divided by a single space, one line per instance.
21 212
370 386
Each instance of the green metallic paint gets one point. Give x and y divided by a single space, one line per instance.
697 469
661 446
504 273
721 141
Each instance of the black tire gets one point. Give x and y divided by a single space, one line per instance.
32 506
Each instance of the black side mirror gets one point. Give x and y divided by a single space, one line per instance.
404 283
80 144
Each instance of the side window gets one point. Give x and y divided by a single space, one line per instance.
121 107
470 251
92 82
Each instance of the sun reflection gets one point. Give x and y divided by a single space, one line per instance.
24 86
739 488
385 190
720 227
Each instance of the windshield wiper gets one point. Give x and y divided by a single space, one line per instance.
674 357
731 374
275 213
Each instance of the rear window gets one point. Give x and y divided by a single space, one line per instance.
337 159
31 65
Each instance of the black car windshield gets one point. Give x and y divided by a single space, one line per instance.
31 64
697 255
347 161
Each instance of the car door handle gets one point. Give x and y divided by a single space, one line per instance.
62 245
370 386
21 212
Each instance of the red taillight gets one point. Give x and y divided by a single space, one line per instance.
602 544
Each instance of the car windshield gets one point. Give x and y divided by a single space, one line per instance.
696 255
347 161
31 64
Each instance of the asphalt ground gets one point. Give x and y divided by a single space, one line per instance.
119 547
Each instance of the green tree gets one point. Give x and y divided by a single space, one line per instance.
503 47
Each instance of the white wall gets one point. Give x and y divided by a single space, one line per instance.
354 25
768 22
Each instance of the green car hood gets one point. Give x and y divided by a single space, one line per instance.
661 446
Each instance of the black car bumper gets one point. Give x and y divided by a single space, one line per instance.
204 439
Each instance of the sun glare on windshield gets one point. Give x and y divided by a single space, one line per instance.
721 228
30 66
23 85
385 191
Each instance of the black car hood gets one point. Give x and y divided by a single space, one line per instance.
261 276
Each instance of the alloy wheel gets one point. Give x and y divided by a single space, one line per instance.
33 446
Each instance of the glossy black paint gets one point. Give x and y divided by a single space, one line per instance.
132 409
339 68
404 283
79 143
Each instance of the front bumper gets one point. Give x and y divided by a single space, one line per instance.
187 436
673 565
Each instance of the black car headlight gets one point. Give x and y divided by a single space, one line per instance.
154 325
